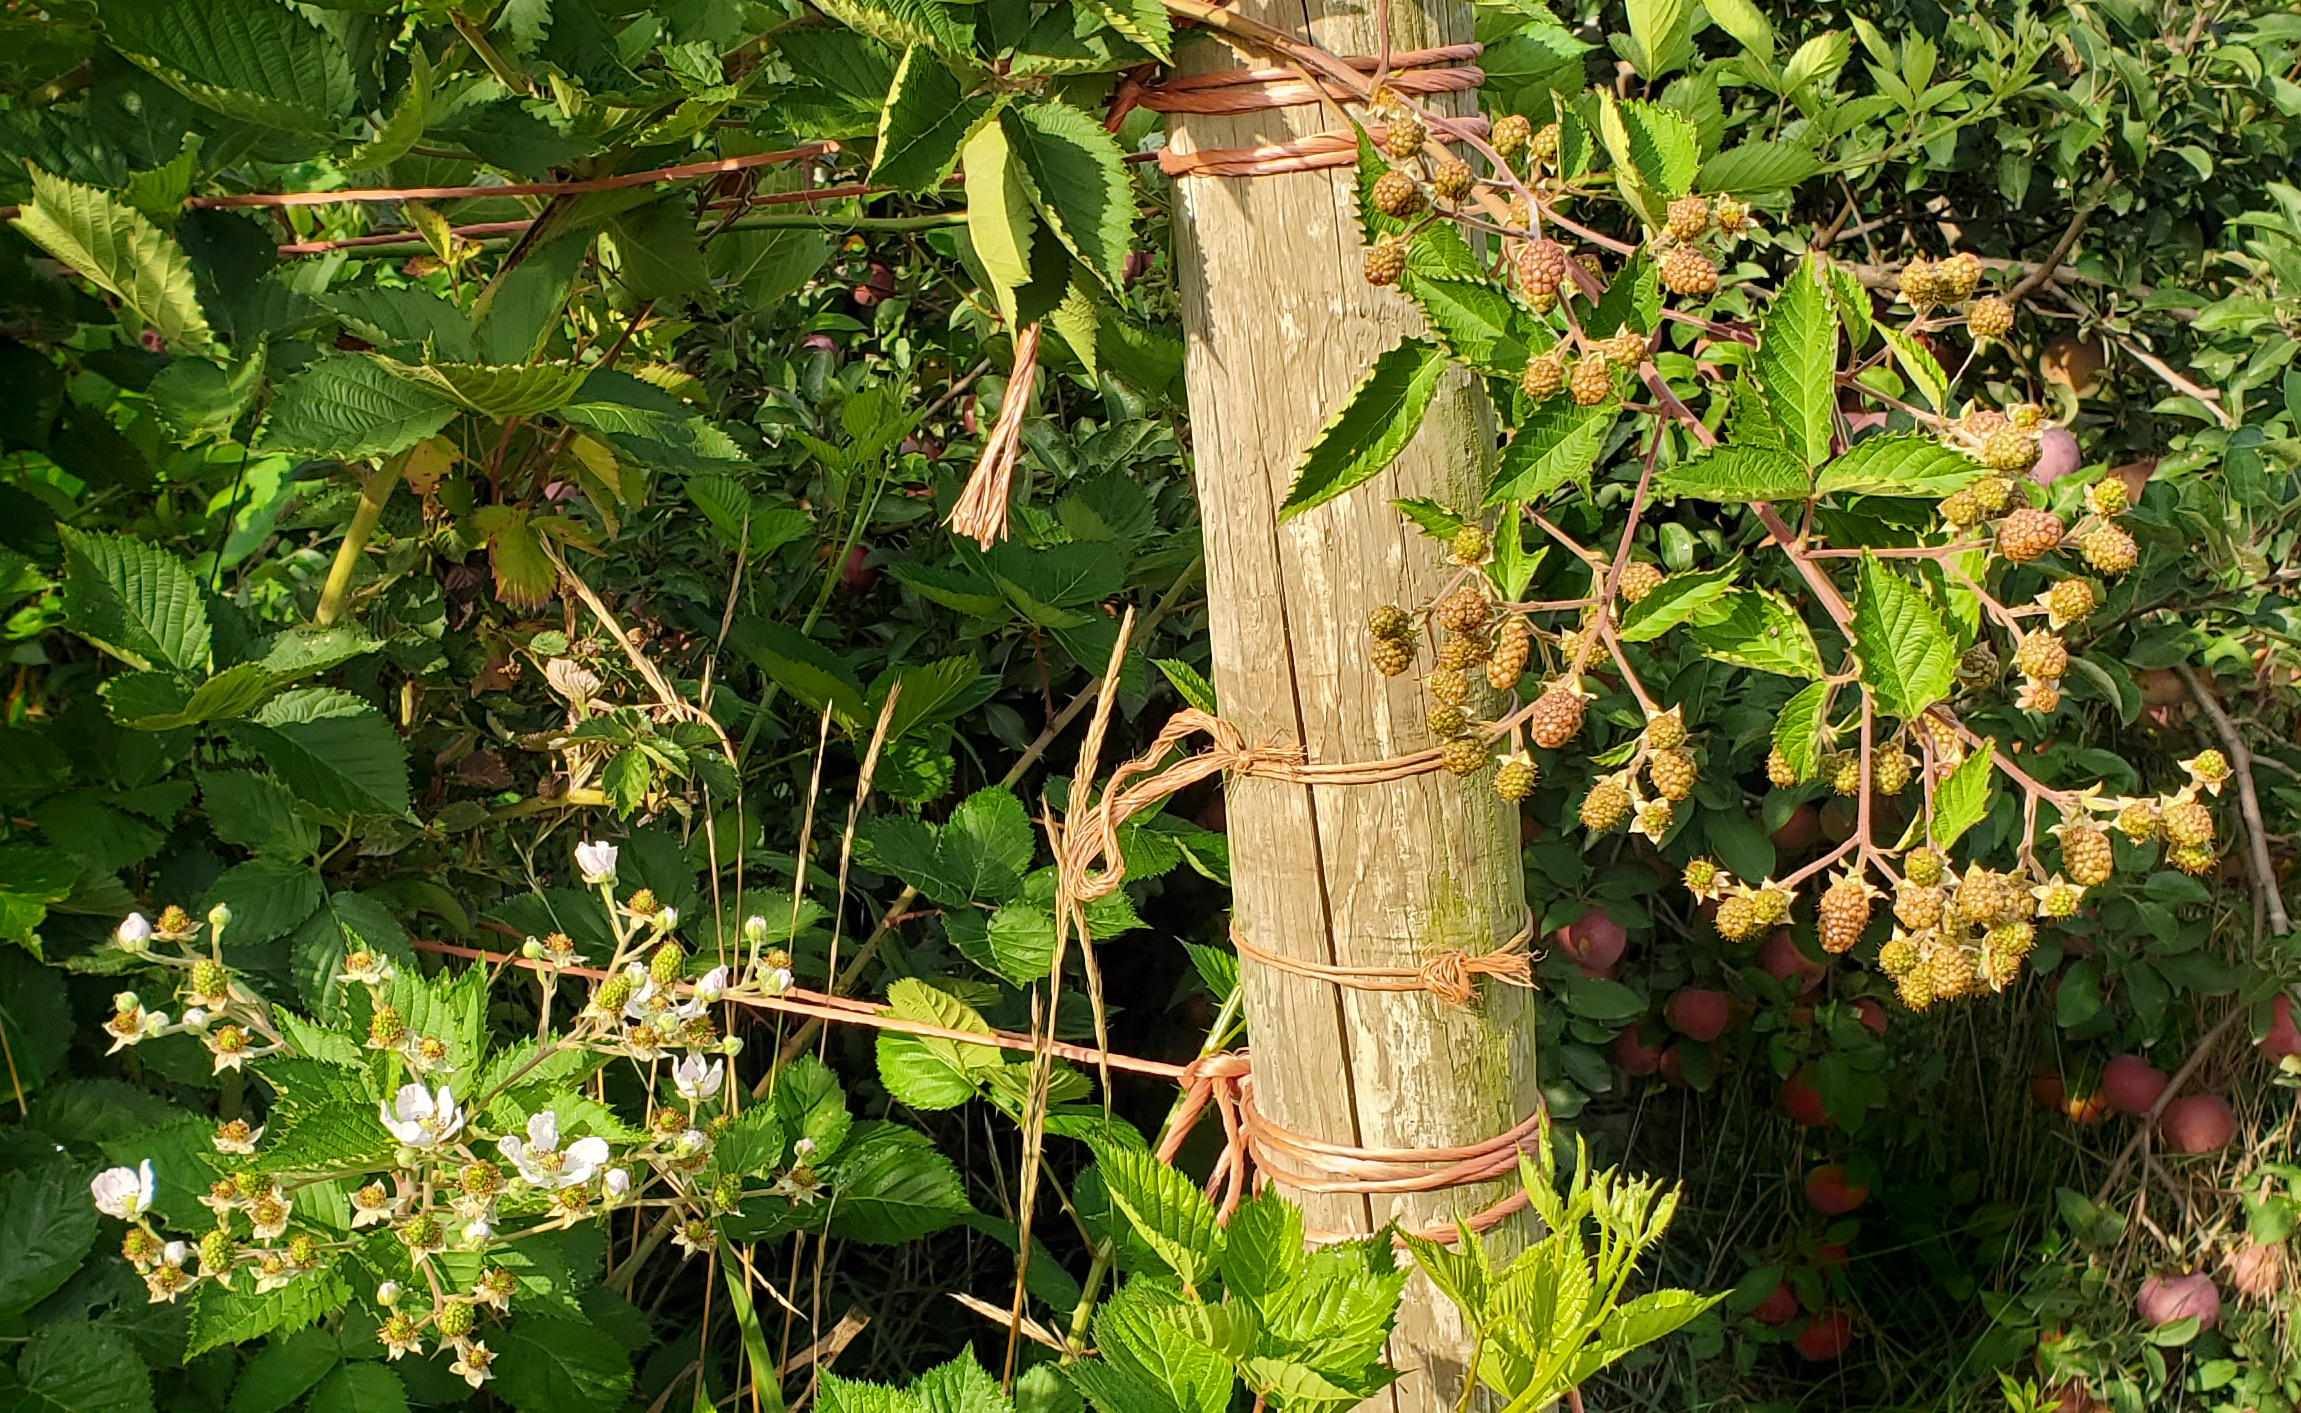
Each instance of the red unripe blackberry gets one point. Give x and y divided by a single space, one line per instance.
1404 132
1545 375
1513 643
1844 911
1541 267
1687 271
1556 717
1385 261
1395 194
2025 534
1591 382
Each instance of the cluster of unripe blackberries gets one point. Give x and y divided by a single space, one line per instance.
1670 769
1943 284
1416 180
1680 261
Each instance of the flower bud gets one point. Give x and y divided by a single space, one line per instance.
133 933
388 1294
219 917
755 929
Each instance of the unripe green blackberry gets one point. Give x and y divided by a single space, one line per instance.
1591 382
217 1252
2071 601
1961 510
1959 276
1459 652
2139 821
2028 416
1992 493
1919 906
2086 855
455 1318
2187 822
1545 143
614 993
2025 534
1686 271
1673 773
1639 578
1395 194
422 1233
2208 767
1447 688
1773 905
1541 267
1732 216
2043 656
1665 730
1445 721
1977 667
2109 549
1983 897
1452 178
1392 656
1843 771
1889 773
1463 611
1779 771
2192 858
1898 958
1654 818
1390 621
1506 661
1700 876
1464 755
1515 779
141 1246
1385 261
1545 374
2002 950
1989 318
385 1028
1512 131
1688 217
1738 919
210 983
727 1193
1918 285
480 1178
2009 449
1403 134
1625 350
1606 808
1914 988
2106 497
1469 545
668 964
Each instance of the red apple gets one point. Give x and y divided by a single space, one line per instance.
1632 1055
1778 1308
2086 1110
1832 1192
1826 1338
1699 1013
2284 1037
1594 942
2258 1271
857 574
1671 1068
2047 1089
1799 831
1873 1015
1802 1102
1780 956
2165 1299
2198 1123
2131 1084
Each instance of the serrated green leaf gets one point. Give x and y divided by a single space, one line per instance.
893 1186
1000 218
333 749
511 390
1143 21
1737 475
1187 683
1897 465
563 1366
1381 416
1079 178
926 120
253 60
73 1366
1919 366
350 407
1559 443
1166 1209
1656 144
366 1387
1801 729
901 23
1676 599
1745 22
285 1372
237 1315
117 248
1479 324
1907 659
1797 362
397 133
1962 800
135 601
47 1227
1754 628
1758 168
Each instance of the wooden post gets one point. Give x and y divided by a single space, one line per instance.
1280 326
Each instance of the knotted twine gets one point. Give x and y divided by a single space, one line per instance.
1234 91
